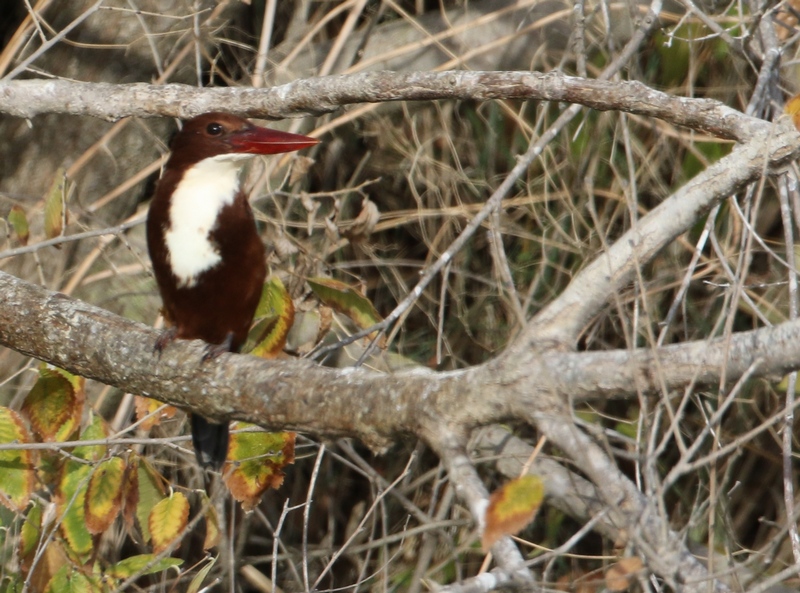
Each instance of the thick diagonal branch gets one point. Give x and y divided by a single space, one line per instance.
297 394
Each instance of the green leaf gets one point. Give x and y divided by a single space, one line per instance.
73 485
274 317
68 579
96 431
346 300
12 584
70 498
19 222
168 520
17 467
31 531
197 581
141 565
151 492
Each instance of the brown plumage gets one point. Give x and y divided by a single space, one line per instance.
208 258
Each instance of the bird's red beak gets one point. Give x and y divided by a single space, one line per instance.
257 140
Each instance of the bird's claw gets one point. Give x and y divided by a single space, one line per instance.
166 338
214 350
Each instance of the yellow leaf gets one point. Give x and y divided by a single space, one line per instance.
104 495
511 508
95 431
168 520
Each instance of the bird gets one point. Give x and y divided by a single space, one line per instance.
208 259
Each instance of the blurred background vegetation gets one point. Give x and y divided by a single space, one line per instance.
425 169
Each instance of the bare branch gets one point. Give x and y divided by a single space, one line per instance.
297 394
314 96
563 319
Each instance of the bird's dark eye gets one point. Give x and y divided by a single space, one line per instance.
214 129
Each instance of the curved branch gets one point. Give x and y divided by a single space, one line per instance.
315 96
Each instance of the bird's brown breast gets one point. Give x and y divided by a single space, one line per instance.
222 299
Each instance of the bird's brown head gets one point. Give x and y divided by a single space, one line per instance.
220 134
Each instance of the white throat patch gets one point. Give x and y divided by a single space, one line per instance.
199 197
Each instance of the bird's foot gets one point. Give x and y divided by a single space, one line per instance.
166 338
214 350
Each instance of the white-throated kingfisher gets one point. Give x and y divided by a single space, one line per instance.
208 259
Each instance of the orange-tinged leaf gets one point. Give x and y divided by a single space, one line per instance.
151 412
50 562
54 210
104 494
212 525
511 508
168 520
256 462
19 465
346 300
19 222
620 576
72 424
51 404
792 108
130 490
151 491
274 317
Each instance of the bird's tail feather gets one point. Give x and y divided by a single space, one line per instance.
210 442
